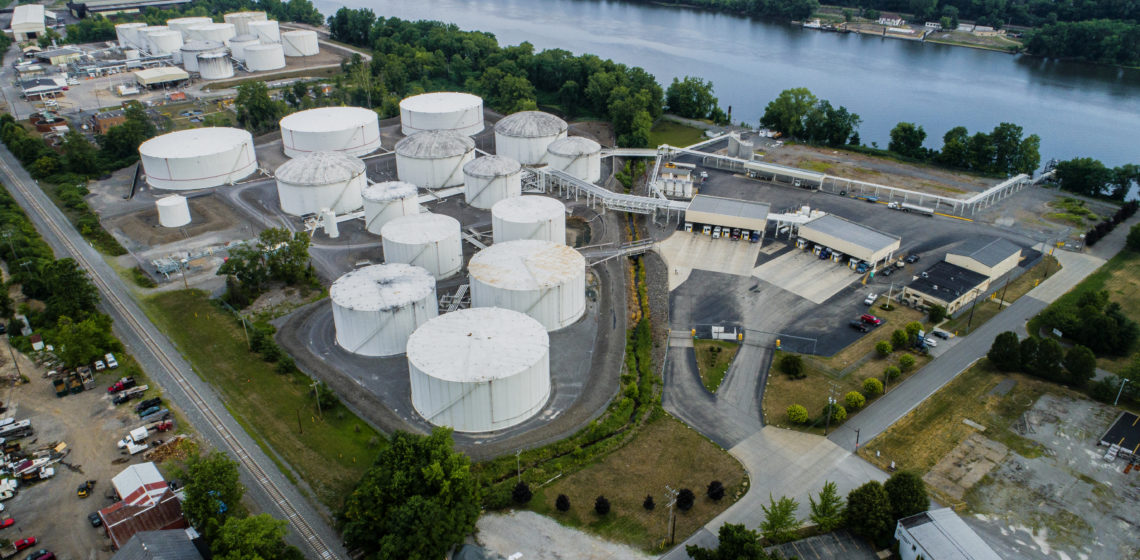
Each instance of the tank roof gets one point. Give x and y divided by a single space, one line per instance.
421 228
526 209
530 124
243 37
433 144
172 200
191 19
195 142
320 168
211 25
441 102
198 45
209 55
573 146
381 287
390 190
492 166
327 119
478 345
526 264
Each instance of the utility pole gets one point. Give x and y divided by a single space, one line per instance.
830 403
972 308
857 439
671 498
518 464
185 265
317 394
1004 290
1114 403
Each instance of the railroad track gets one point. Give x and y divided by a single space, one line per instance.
299 524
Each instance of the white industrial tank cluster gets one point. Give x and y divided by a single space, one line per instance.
428 240
173 211
220 32
300 43
489 179
266 31
241 20
215 66
352 130
434 159
478 370
191 49
524 136
545 280
384 202
310 183
376 308
163 42
238 44
198 158
577 156
127 34
183 25
461 113
261 57
529 217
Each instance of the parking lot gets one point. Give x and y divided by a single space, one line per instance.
806 275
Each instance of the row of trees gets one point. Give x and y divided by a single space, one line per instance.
998 13
1102 229
1103 41
279 256
1044 358
1004 151
1090 177
1090 319
799 114
77 157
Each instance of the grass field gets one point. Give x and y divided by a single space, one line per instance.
987 309
674 134
713 359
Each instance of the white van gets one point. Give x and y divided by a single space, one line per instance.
716 232
112 363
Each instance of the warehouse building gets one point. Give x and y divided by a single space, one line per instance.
59 56
729 213
110 7
857 241
940 535
945 284
158 77
27 21
991 256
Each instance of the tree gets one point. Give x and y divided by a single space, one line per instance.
907 493
797 414
250 538
255 110
1081 363
648 504
906 362
780 523
601 505
521 494
828 512
936 313
79 156
562 503
326 397
854 400
83 342
1005 352
734 542
690 97
838 413
872 387
1048 362
912 329
793 365
899 339
715 490
868 512
212 492
907 139
1133 239
883 347
685 499
416 501
892 373
1028 351
786 113
1085 176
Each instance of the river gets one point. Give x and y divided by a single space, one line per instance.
1076 109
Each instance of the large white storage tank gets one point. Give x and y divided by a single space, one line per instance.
542 279
238 44
529 217
489 179
241 20
300 43
434 159
259 58
580 157
266 31
384 202
142 36
220 32
183 25
173 211
428 240
461 113
164 42
478 370
127 34
352 130
215 66
524 136
310 183
198 158
191 49
376 308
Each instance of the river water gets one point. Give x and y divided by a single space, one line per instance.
1077 109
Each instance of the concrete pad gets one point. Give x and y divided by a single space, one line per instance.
542 538
805 275
685 251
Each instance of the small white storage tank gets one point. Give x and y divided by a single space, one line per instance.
220 32
198 158
164 42
428 240
319 180
489 179
238 44
545 280
376 308
461 113
215 66
384 202
580 157
434 159
173 211
127 33
300 43
191 49
266 31
529 217
183 25
352 130
524 136
259 58
241 20
478 370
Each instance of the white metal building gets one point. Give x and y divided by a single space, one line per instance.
940 535
312 182
461 113
352 130
126 33
428 240
27 21
578 156
727 212
182 25
198 158
489 179
262 57
300 43
524 136
173 211
434 159
479 370
529 217
220 32
215 66
545 280
376 308
191 49
859 241
266 31
384 202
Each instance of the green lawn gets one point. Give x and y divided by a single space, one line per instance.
713 359
674 134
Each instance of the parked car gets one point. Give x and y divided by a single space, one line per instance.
147 404
886 271
7 523
871 297
910 259
124 383
99 365
858 325
111 361
149 410
41 554
95 520
155 413
942 334
870 319
930 342
84 489
26 542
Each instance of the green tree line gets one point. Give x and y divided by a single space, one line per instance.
1101 41
1090 177
997 13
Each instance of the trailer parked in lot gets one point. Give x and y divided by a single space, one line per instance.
912 208
19 429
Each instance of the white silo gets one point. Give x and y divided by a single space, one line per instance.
542 279
266 31
300 43
183 25
384 202
352 130
529 217
524 136
220 32
262 57
127 33
173 211
238 44
434 159
241 20
198 158
164 42
319 180
376 308
428 240
215 66
580 157
461 113
489 179
143 36
191 49
478 370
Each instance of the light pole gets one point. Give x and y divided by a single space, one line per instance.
185 265
671 497
1121 390
972 308
857 439
830 404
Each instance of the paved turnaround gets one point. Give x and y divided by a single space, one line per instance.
162 362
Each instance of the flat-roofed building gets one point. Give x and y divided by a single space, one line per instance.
154 77
27 21
991 256
940 535
945 284
855 240
728 212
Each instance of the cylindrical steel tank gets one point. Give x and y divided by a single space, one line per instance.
434 159
529 217
300 43
262 57
220 32
164 42
266 31
489 179
578 156
238 44
126 34
478 370
183 25
191 49
384 202
198 158
461 113
428 240
352 130
376 308
312 182
241 20
215 66
542 279
173 211
524 136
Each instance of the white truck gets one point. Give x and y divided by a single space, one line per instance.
134 441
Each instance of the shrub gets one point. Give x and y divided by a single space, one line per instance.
793 365
648 504
936 313
1081 364
884 348
1005 352
872 387
685 499
906 362
562 503
1133 239
838 413
854 399
521 494
601 505
715 490
892 373
898 338
797 414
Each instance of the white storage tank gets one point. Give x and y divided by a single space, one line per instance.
220 32
198 158
578 156
127 33
173 211
478 370
524 136
428 240
461 113
489 179
529 217
183 25
241 20
376 308
434 159
384 202
259 58
266 31
542 279
300 43
191 49
215 66
309 183
238 44
352 130
164 42
142 36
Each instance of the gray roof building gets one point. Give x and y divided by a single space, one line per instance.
727 212
990 251
945 284
847 237
940 535
175 544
